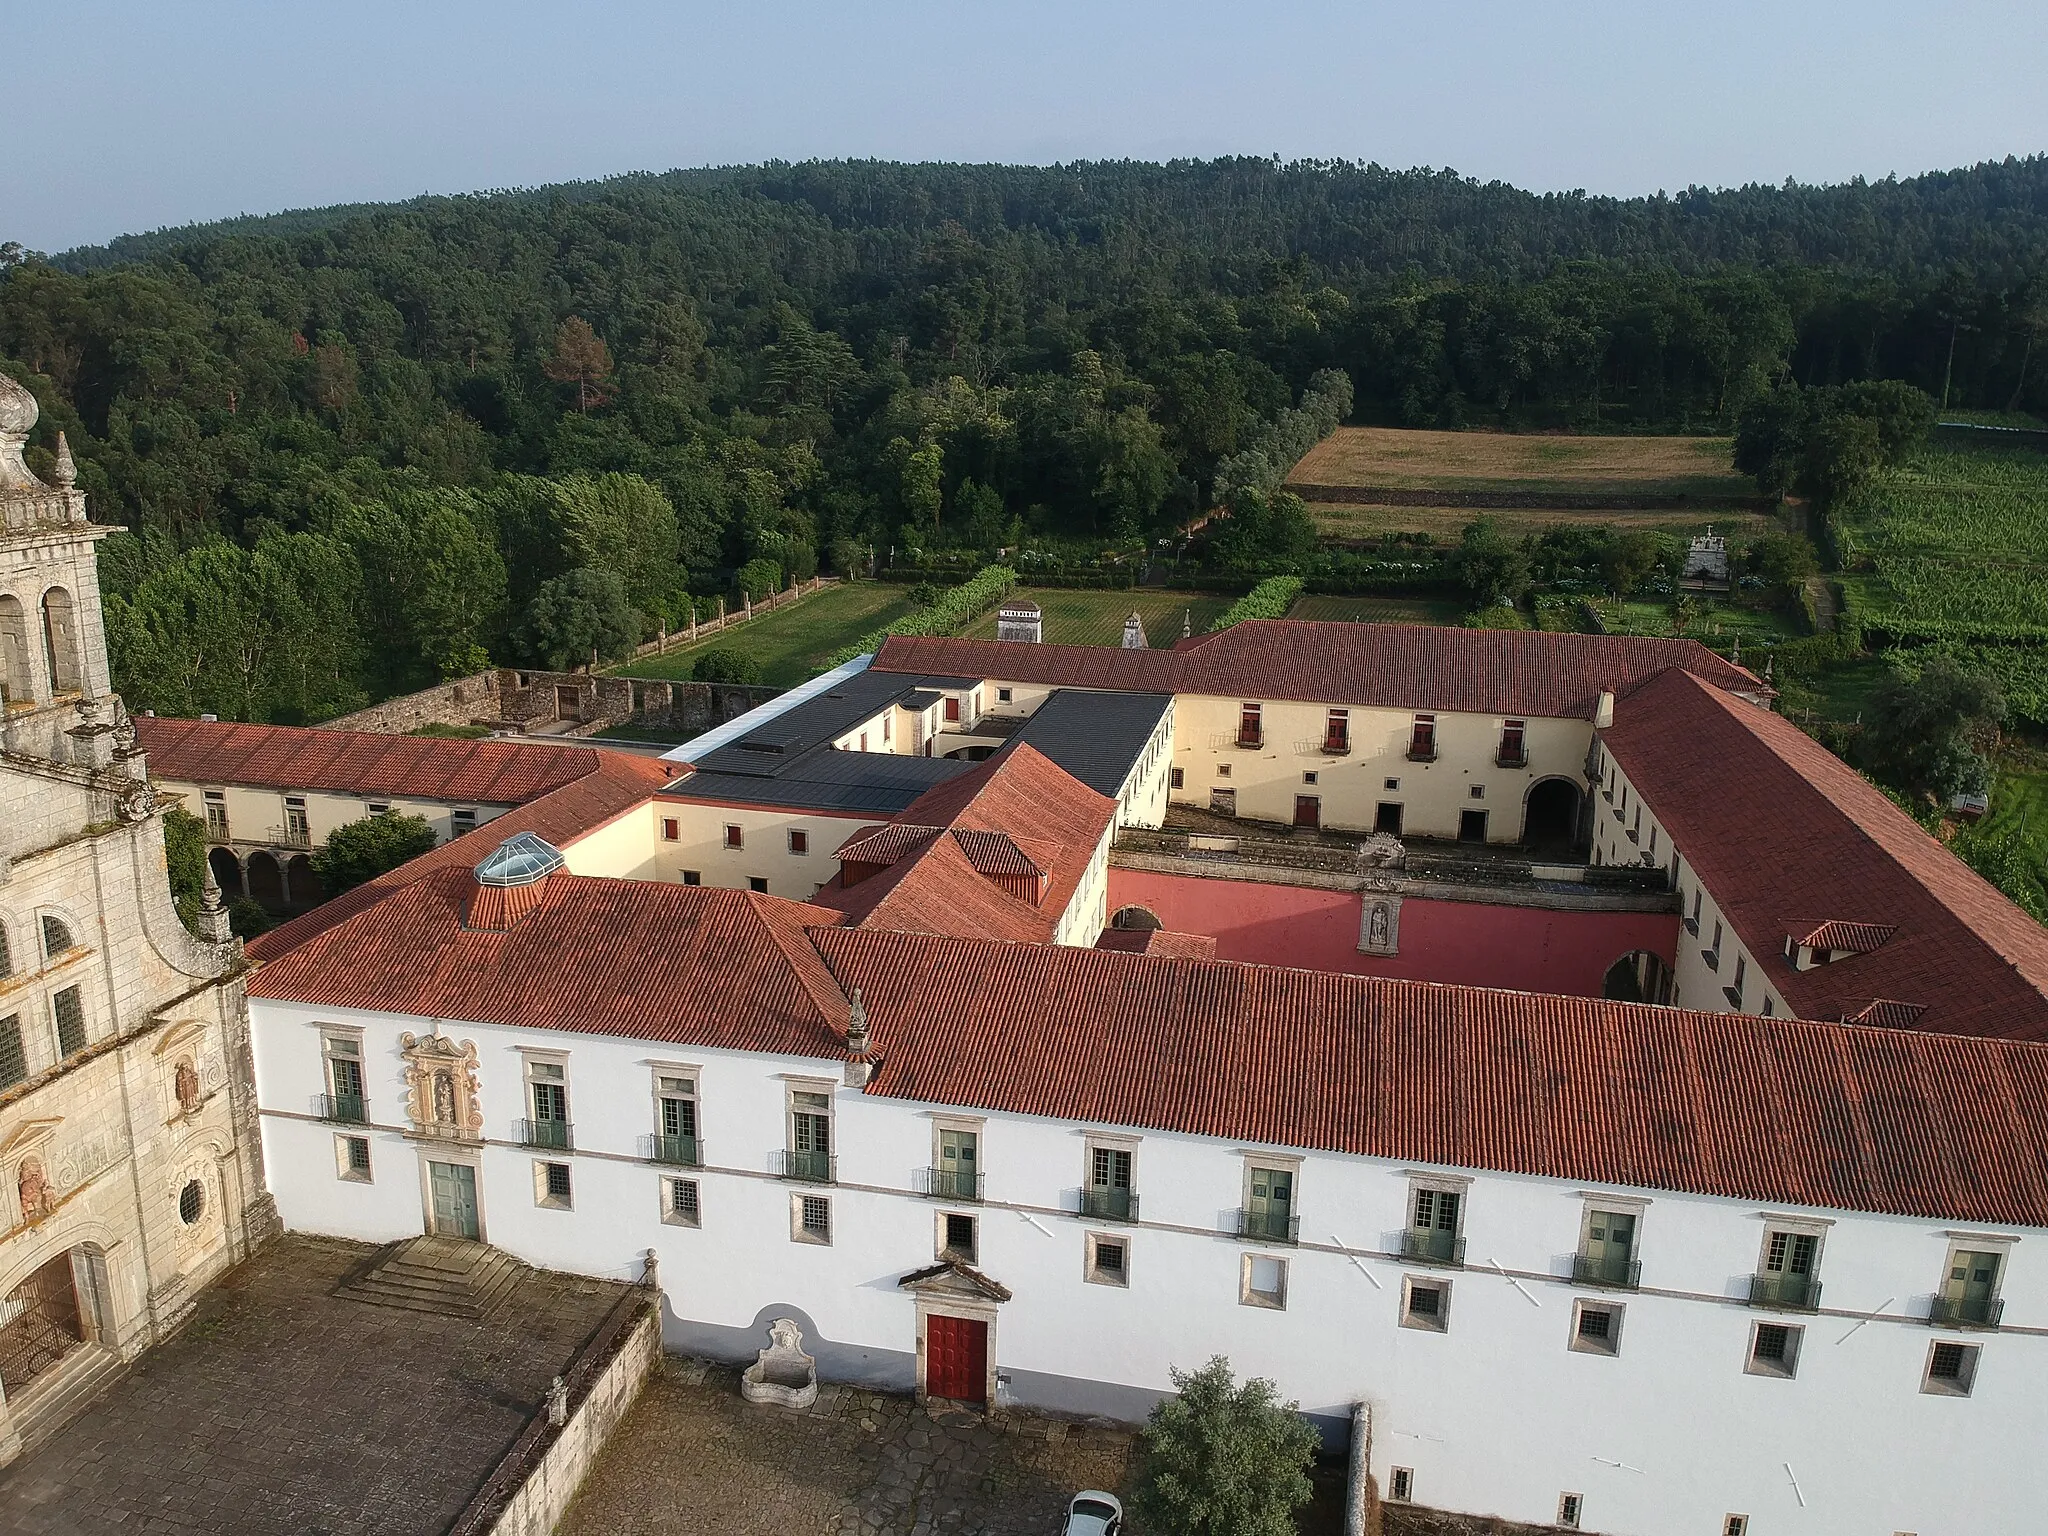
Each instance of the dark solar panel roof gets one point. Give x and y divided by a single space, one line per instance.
1096 737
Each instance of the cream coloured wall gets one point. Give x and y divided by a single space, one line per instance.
257 815
764 854
1351 787
620 849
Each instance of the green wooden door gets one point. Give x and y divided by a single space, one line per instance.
1272 1202
957 1167
1972 1283
1610 1243
454 1189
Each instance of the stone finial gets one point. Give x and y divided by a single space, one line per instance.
66 471
558 1402
859 1065
18 413
213 912
1187 623
1737 658
1134 632
650 1274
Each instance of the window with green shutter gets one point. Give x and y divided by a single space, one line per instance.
69 1009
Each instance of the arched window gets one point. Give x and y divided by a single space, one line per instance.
56 937
16 682
60 640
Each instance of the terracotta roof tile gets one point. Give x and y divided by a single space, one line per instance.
1158 941
1856 938
1774 824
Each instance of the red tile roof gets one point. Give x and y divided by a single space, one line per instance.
1158 941
1856 938
1772 1110
643 947
1397 666
1778 829
618 782
356 762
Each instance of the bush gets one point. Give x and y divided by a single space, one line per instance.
1270 599
924 593
359 851
759 578
954 608
726 665
576 615
1223 1459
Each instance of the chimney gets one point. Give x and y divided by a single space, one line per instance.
858 1067
1603 712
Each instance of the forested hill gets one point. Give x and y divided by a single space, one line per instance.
362 447
1350 220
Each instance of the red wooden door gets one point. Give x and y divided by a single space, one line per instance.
1308 811
956 1358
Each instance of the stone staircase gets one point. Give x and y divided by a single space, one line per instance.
447 1276
64 1391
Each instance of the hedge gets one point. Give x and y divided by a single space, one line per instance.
1270 599
957 608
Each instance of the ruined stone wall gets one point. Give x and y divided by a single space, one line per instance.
465 701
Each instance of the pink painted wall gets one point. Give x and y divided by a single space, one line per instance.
1526 949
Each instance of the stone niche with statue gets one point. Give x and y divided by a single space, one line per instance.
441 1087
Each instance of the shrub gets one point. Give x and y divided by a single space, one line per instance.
726 665
575 615
759 578
953 609
1223 1459
359 851
1270 599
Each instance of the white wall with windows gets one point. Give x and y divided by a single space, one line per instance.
240 813
1594 1340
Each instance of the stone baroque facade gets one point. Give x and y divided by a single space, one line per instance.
129 1165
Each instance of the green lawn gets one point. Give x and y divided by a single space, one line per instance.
1380 610
1097 618
791 643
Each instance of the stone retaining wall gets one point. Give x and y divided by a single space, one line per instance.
464 701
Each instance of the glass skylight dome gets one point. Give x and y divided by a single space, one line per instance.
520 860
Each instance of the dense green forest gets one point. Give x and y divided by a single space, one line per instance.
359 448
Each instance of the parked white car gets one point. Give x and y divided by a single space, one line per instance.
1093 1513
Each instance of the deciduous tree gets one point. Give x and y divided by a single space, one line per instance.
1224 1459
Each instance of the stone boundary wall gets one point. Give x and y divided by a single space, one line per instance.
464 701
550 1461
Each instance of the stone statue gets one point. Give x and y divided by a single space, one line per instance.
185 1081
38 1199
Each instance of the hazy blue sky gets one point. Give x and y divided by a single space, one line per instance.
127 116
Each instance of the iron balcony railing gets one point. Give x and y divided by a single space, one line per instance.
1966 1311
1336 746
1268 1226
1418 754
675 1149
1511 757
1109 1204
1251 740
290 837
1433 1247
348 1108
1794 1293
557 1134
1589 1270
949 1184
811 1167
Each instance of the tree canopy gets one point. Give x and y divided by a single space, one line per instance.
1223 1458
357 852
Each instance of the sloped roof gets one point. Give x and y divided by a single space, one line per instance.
1158 941
1787 837
1773 1110
643 947
1398 666
357 762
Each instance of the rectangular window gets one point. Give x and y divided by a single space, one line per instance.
216 816
1570 1506
1262 1281
693 877
679 1203
1477 791
297 831
1471 826
1969 1292
68 1008
345 1100
1422 739
957 1174
1434 1226
1596 1328
758 884
1733 991
1337 731
1250 729
1109 1192
671 830
1607 1249
1401 1484
378 807
1426 1304
1223 770
1002 695
1311 778
735 836
352 1158
1774 1349
547 1098
1268 1214
1735 1525
799 841
1513 751
1176 778
461 822
675 1107
863 741
959 1239
551 1186
1109 1260
952 709
13 1058
1951 1369
813 1222
1788 1273
1692 923
810 1136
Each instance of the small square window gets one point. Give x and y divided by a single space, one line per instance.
735 837
1401 1485
1570 1506
1002 695
379 807
1774 1349
1951 1369
1176 778
1735 1525
1223 770
1596 1328
1262 1282
958 1239
693 877
1310 777
1109 1260
1477 791
799 842
352 1158
461 823
551 1186
812 1219
1390 783
679 1203
758 883
671 830
1426 1304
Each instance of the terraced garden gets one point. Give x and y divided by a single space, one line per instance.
790 643
1078 617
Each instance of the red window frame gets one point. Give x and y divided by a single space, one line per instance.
671 830
1422 736
1250 725
735 835
1337 731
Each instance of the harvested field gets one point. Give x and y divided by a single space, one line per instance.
1380 610
1344 520
1567 468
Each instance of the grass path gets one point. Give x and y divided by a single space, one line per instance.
791 643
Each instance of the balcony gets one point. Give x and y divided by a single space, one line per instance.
556 1135
1251 741
1623 1274
1433 1247
1966 1311
1336 746
1268 1226
1109 1204
1421 752
949 1184
1790 1293
1511 757
289 837
681 1150
344 1108
810 1167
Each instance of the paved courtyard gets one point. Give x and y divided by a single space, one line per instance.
693 1457
281 1408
